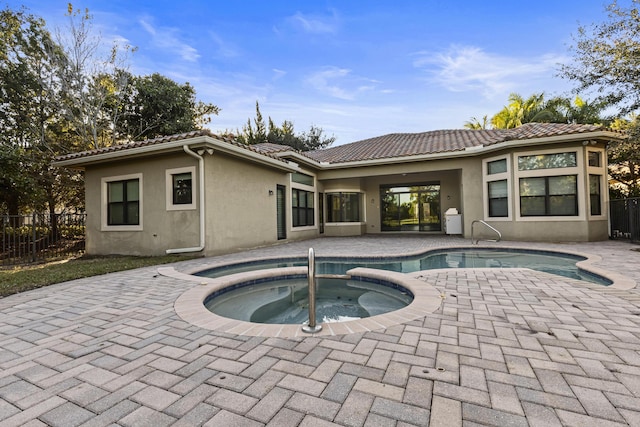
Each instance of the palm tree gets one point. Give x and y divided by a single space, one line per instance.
519 111
475 124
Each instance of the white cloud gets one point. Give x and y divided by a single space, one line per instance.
224 49
340 83
278 74
167 38
468 68
315 24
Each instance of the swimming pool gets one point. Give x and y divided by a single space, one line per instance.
558 263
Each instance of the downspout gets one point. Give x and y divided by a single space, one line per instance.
202 205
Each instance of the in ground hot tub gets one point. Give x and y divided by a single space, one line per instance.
286 301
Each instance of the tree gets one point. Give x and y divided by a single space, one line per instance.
158 106
89 78
536 109
624 158
283 135
314 140
606 58
251 135
564 110
27 85
519 111
476 124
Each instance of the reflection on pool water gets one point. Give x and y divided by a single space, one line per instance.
286 301
550 262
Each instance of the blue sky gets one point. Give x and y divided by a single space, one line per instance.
357 69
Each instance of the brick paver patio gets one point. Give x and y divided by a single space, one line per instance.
505 348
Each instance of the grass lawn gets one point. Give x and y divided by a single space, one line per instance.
24 278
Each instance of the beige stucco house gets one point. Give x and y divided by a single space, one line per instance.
198 192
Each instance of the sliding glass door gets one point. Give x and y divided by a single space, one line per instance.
411 208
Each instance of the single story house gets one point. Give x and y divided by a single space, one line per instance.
201 192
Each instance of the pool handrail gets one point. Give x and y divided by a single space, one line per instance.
312 327
491 227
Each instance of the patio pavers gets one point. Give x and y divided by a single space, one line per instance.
506 347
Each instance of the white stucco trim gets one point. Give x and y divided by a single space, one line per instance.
504 176
169 189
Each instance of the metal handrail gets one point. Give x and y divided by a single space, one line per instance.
312 327
483 222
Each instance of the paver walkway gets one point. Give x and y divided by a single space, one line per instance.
506 348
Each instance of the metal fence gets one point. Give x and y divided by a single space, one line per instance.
40 237
625 219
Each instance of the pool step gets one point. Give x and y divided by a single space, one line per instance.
333 276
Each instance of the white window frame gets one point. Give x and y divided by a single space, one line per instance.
105 203
169 189
601 171
577 170
487 178
310 188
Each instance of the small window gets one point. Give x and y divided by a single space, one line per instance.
594 195
182 188
549 196
594 159
181 191
498 199
547 161
344 207
123 202
497 166
302 178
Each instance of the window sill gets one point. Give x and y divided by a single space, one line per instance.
121 228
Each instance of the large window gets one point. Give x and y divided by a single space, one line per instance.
123 202
344 207
549 196
302 207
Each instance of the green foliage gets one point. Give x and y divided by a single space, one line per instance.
65 231
158 106
60 95
624 158
606 59
283 134
535 109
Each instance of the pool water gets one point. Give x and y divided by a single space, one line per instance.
549 262
286 301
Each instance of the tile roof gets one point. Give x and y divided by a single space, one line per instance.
164 139
387 146
440 141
